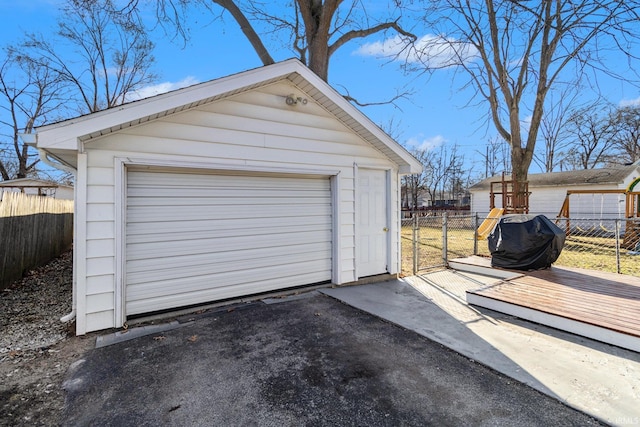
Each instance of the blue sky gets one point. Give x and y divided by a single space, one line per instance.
433 116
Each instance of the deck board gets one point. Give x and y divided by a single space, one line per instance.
602 300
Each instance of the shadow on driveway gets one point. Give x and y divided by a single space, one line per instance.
309 361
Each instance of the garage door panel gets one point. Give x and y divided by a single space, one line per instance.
184 299
190 291
147 269
159 187
216 280
229 197
235 224
153 271
180 213
198 237
143 265
203 182
223 244
161 235
220 179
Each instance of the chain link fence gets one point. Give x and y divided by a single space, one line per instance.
607 245
430 241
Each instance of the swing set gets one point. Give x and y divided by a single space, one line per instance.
631 198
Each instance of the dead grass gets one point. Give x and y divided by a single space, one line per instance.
597 253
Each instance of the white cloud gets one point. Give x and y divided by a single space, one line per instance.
388 47
630 102
421 143
434 51
148 91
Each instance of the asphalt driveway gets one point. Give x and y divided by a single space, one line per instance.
306 361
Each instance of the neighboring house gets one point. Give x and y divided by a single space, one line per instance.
451 200
37 187
263 180
548 191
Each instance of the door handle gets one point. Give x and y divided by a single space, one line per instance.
385 229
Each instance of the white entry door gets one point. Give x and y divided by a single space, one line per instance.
373 224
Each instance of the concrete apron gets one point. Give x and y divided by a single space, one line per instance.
596 378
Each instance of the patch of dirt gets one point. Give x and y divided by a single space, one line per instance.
36 348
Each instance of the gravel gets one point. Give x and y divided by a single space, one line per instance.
31 309
36 348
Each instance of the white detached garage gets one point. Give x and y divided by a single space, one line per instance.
260 181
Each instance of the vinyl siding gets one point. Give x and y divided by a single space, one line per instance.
254 129
97 320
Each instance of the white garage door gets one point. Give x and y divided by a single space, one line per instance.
193 237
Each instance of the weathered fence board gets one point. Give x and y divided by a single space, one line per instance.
33 230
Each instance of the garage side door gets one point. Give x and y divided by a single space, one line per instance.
198 237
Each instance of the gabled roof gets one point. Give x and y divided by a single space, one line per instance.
64 136
612 175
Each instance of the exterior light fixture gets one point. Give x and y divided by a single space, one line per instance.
294 100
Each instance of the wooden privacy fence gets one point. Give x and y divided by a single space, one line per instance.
33 230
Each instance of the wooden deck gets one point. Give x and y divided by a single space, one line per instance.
601 306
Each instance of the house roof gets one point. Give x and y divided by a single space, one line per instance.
22 182
63 139
603 176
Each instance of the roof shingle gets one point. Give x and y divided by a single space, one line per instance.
612 175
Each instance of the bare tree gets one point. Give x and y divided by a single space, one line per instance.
452 183
315 29
111 54
456 180
410 187
590 133
29 96
626 137
40 81
495 157
319 28
442 173
445 164
515 53
553 136
413 186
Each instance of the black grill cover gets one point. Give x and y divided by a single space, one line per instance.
525 242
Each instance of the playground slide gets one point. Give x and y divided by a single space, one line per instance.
489 223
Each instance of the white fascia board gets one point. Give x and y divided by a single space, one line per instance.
57 141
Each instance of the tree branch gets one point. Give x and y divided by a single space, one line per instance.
353 34
247 30
392 100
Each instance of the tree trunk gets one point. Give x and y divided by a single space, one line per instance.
4 173
317 17
520 161
319 58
